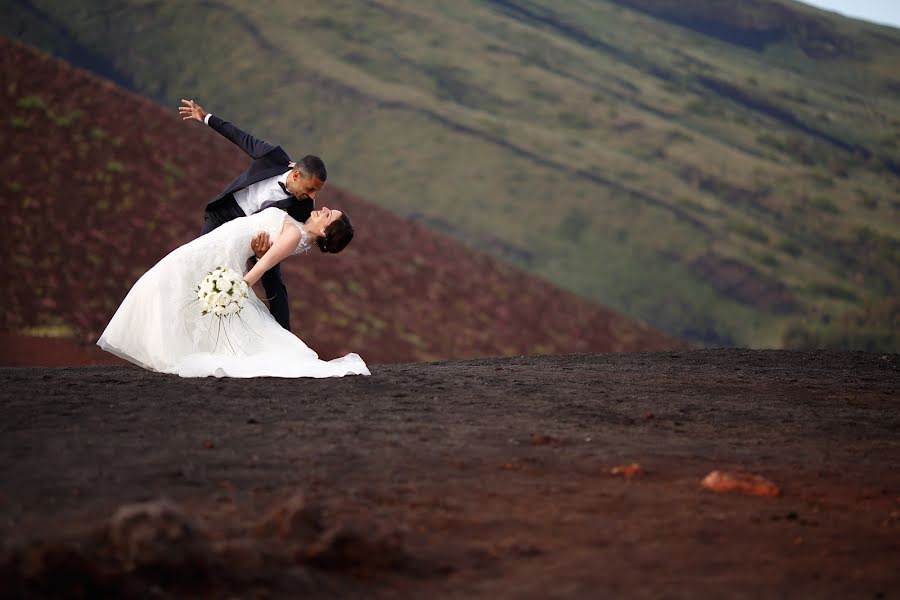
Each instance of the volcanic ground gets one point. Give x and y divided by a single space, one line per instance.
487 478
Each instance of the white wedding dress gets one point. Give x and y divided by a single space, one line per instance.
159 325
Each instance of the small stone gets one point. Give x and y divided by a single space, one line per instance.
158 534
628 471
738 481
348 546
544 440
294 519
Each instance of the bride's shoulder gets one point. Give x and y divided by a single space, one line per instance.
304 242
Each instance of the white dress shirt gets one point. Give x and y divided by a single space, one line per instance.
252 197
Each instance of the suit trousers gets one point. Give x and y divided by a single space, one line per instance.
276 292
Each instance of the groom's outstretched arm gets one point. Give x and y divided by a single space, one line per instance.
191 111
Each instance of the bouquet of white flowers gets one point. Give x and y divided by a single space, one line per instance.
222 292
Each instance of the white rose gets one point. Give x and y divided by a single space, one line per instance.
219 311
232 308
224 284
222 299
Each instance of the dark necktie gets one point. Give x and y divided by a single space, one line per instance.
285 190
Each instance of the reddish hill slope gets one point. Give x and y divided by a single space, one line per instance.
99 183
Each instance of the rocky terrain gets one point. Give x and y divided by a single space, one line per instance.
483 478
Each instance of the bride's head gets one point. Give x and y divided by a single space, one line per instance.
331 229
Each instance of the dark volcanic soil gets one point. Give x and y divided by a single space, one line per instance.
486 478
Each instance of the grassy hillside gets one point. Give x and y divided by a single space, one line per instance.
729 172
93 201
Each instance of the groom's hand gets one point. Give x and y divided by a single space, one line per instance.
260 244
191 110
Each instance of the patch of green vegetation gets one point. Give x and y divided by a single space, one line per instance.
676 135
842 336
114 166
574 120
695 206
832 290
825 205
544 95
173 171
772 141
52 331
353 287
822 180
574 225
749 231
790 247
698 106
18 122
65 120
766 259
32 102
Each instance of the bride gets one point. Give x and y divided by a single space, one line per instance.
160 325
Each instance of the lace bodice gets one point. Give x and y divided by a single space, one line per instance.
305 238
272 221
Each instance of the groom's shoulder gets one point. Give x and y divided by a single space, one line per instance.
276 155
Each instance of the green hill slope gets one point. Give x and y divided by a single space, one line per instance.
728 173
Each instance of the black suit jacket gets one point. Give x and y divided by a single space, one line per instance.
268 161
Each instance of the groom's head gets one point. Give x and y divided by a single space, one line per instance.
307 177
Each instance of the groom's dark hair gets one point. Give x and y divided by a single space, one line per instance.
312 166
337 235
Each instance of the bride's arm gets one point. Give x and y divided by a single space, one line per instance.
283 247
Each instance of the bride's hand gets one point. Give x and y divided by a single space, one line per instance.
260 244
191 110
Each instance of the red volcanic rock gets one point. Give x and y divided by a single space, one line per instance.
738 481
360 546
158 534
295 520
544 440
628 471
116 194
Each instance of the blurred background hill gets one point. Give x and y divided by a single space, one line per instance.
727 172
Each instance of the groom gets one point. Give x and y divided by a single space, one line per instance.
271 180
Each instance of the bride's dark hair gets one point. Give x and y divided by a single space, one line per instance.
337 235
